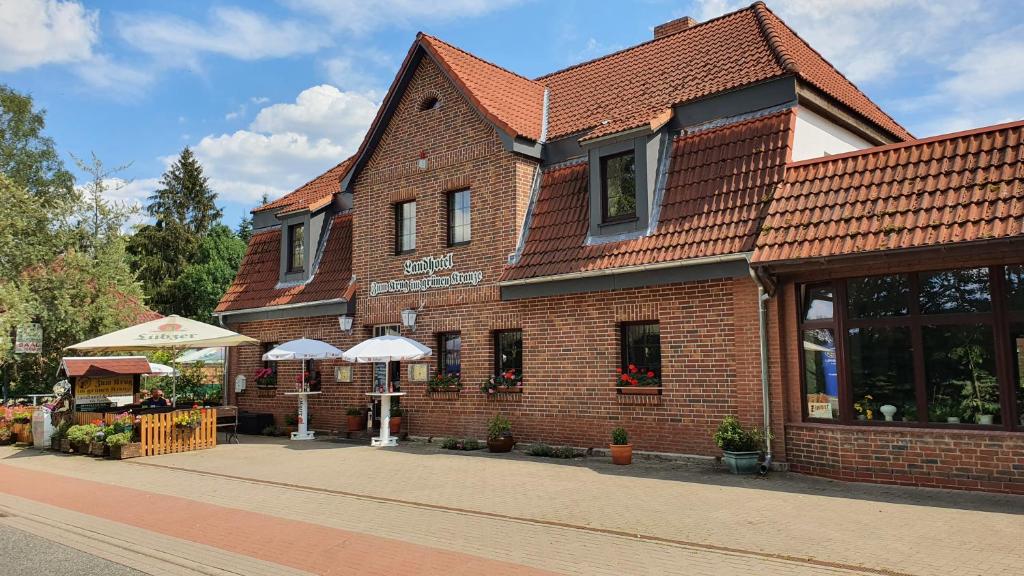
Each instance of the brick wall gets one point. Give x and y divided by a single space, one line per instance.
962 459
571 350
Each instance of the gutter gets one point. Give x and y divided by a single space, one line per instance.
220 315
762 326
742 256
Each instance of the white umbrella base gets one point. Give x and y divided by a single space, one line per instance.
308 435
389 441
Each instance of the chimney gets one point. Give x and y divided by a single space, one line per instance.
677 25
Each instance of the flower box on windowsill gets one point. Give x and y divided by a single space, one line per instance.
505 390
450 394
639 390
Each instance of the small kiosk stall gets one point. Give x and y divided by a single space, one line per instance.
162 429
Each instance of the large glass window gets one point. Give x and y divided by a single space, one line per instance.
459 218
820 373
641 349
449 345
942 348
878 296
296 248
618 187
405 227
955 291
508 352
961 380
882 373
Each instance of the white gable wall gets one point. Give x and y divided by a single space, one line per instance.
816 136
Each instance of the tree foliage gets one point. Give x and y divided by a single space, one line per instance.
205 280
27 157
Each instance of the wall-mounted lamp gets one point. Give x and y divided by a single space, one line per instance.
409 319
345 323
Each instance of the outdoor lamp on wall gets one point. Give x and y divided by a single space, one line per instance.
409 319
345 323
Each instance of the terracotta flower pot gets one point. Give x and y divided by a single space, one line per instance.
355 423
501 444
395 425
622 454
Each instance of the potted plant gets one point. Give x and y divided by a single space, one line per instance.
634 381
441 382
741 448
98 444
6 435
80 435
265 378
189 420
499 434
120 446
507 381
620 448
355 419
312 380
395 424
22 425
59 436
865 407
291 422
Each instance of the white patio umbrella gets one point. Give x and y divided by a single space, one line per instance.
303 349
172 332
386 349
206 356
156 369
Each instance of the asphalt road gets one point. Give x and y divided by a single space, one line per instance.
24 554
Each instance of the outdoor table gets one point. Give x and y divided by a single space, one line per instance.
303 432
385 438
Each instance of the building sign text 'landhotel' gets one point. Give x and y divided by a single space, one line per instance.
430 266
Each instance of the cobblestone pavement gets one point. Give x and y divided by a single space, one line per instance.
25 554
583 516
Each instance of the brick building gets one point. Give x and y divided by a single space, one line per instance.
664 207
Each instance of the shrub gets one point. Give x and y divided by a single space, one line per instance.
354 411
271 431
731 436
5 434
450 444
291 420
396 411
619 437
82 433
540 449
565 452
456 444
61 431
499 427
119 439
471 444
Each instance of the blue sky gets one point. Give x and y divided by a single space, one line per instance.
270 94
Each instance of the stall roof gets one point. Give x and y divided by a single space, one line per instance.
104 365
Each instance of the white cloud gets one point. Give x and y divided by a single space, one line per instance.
322 112
112 78
45 32
360 16
230 31
287 144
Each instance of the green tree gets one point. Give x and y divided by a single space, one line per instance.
27 157
208 277
185 197
184 212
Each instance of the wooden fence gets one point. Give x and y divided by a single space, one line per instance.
159 435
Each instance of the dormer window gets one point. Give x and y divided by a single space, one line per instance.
618 187
296 248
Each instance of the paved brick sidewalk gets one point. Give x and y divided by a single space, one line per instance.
574 519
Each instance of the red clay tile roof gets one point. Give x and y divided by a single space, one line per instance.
255 285
313 194
958 187
716 189
630 88
514 103
105 366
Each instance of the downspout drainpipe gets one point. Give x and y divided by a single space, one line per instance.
225 382
762 322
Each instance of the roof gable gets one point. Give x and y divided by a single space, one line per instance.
312 195
256 285
635 86
961 187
